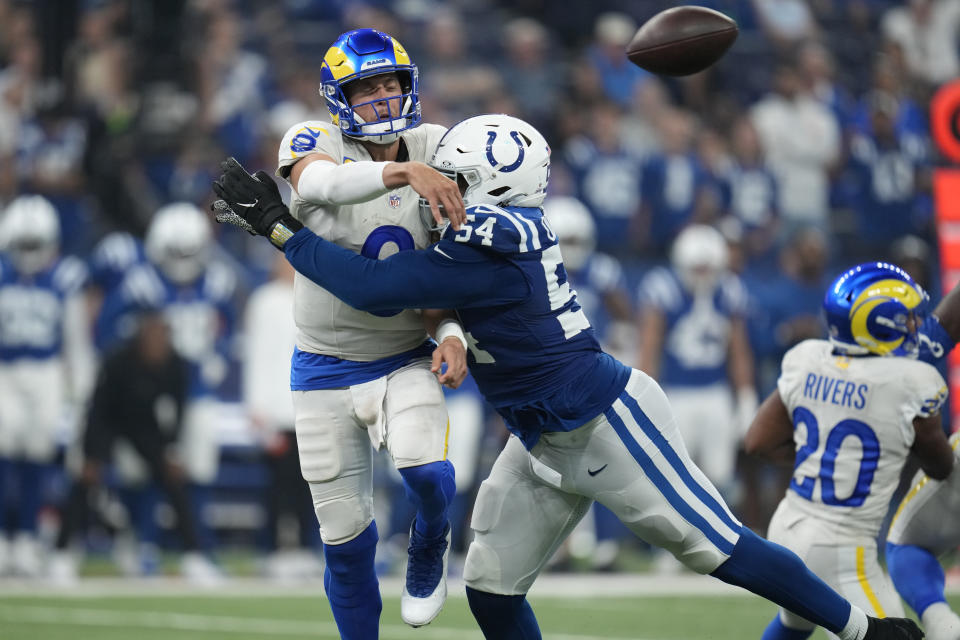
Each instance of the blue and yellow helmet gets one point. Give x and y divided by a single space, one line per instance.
362 53
867 308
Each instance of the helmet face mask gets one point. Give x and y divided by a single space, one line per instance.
496 159
699 256
361 54
31 233
875 308
177 242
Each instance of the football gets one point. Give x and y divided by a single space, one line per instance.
682 40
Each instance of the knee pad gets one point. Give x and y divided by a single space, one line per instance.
343 519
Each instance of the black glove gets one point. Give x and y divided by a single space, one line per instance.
256 200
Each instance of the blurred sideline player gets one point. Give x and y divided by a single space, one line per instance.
853 407
138 399
585 427
601 290
927 522
361 378
46 363
269 339
196 295
693 341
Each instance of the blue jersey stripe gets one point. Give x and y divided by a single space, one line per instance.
516 223
671 456
663 485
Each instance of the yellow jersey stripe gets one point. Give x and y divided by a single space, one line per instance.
862 578
446 440
910 496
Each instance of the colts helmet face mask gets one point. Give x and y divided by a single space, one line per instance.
572 222
30 233
496 159
363 53
699 256
869 308
178 242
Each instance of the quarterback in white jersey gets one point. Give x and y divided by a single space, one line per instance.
852 416
360 378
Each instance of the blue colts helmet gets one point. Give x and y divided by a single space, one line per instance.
362 53
867 309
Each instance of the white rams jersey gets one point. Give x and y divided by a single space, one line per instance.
376 229
853 428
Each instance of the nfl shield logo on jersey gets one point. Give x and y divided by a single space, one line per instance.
394 202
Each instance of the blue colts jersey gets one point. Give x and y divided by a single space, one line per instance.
697 338
531 348
200 314
527 350
32 308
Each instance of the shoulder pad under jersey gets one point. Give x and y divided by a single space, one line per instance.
511 230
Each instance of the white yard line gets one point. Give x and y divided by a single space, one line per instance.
269 627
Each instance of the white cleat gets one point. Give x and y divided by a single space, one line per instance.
25 556
199 570
425 586
62 569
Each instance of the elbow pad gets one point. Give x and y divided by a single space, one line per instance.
323 182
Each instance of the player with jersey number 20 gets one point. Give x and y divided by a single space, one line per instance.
853 408
585 427
359 377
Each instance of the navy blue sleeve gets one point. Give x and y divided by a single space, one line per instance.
444 276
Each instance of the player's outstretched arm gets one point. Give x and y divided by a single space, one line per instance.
318 178
458 276
771 433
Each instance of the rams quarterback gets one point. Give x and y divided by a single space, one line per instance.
585 427
853 407
361 376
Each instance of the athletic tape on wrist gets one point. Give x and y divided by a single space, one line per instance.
450 328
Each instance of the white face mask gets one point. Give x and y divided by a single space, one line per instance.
32 259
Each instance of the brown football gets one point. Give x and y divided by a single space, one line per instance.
682 40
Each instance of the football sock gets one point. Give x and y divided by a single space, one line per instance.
503 617
430 487
776 630
916 574
30 492
5 469
778 574
940 622
351 585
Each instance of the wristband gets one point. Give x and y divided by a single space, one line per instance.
283 229
450 328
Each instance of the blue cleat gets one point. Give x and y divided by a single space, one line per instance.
425 587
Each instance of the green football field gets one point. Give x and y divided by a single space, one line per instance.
177 612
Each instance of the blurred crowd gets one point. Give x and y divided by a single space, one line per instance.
701 218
